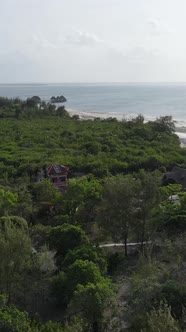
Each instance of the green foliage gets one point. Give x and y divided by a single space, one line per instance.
24 205
171 189
66 237
145 293
164 124
49 327
100 298
115 261
148 198
150 287
175 295
109 150
61 111
81 197
60 219
15 257
75 325
39 235
65 283
161 320
146 285
89 253
7 201
115 147
171 217
46 192
12 319
127 206
116 212
13 222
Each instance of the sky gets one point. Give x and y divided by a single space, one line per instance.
92 41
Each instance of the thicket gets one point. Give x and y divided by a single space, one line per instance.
55 273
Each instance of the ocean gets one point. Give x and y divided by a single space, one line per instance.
116 100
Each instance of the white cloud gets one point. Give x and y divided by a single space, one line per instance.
157 27
80 38
107 40
41 41
153 25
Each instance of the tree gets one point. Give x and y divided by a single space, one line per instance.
18 111
51 108
161 320
12 319
81 197
164 124
74 325
86 252
94 302
15 257
24 205
62 112
66 237
145 290
49 327
7 201
65 283
118 207
33 101
46 192
39 235
148 198
146 284
47 198
13 222
171 217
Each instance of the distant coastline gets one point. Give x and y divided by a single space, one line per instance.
121 100
91 115
180 131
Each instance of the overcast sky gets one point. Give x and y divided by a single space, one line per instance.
92 41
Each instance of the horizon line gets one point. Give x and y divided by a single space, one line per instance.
93 82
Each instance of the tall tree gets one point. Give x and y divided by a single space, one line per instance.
93 301
118 208
81 197
148 198
15 256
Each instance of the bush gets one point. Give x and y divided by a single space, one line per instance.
175 295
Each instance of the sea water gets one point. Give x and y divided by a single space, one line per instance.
116 100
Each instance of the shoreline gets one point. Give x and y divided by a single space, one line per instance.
92 115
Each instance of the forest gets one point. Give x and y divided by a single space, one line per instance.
59 269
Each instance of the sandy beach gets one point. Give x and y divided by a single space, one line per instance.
93 115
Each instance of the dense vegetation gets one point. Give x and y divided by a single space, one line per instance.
55 272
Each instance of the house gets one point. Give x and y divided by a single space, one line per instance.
176 176
57 174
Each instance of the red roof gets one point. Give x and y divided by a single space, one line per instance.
57 169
